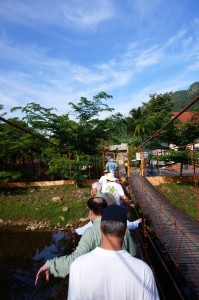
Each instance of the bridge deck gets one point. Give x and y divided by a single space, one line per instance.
178 233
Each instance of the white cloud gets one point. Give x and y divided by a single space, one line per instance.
149 58
10 102
187 41
74 14
176 38
34 74
144 8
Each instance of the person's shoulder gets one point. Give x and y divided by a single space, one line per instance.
94 227
84 258
140 264
118 185
81 260
90 229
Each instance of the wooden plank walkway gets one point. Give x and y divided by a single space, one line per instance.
178 233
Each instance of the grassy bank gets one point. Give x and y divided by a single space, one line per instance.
183 196
36 204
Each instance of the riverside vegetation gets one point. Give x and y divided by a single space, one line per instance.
183 196
35 208
52 207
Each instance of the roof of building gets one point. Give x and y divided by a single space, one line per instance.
121 147
185 116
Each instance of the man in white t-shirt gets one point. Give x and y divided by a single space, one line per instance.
103 179
108 272
111 186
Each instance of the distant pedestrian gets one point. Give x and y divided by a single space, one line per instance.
116 189
126 166
111 166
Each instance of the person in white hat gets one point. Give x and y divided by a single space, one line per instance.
111 186
103 179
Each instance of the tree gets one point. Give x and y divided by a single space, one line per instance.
158 111
89 129
38 118
146 120
141 130
187 132
58 129
87 110
117 125
1 107
181 157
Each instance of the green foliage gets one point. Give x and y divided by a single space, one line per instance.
13 141
86 109
7 176
37 116
157 111
176 157
187 132
183 196
88 134
35 204
182 157
77 167
195 157
149 118
182 98
89 129
116 128
1 107
59 166
84 136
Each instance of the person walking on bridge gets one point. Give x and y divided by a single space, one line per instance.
116 189
111 166
110 199
108 272
60 266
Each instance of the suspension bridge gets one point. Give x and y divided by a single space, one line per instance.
178 233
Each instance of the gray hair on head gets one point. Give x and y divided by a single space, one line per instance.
113 228
97 186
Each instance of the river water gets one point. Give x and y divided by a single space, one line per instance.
22 253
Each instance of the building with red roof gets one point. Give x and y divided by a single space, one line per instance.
185 116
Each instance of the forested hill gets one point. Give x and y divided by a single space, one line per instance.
184 97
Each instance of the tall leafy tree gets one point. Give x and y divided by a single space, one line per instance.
39 118
156 113
135 115
118 128
86 109
137 127
187 132
90 130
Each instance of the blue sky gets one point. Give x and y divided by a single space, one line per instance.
55 51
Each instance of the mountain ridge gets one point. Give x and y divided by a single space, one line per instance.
183 97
